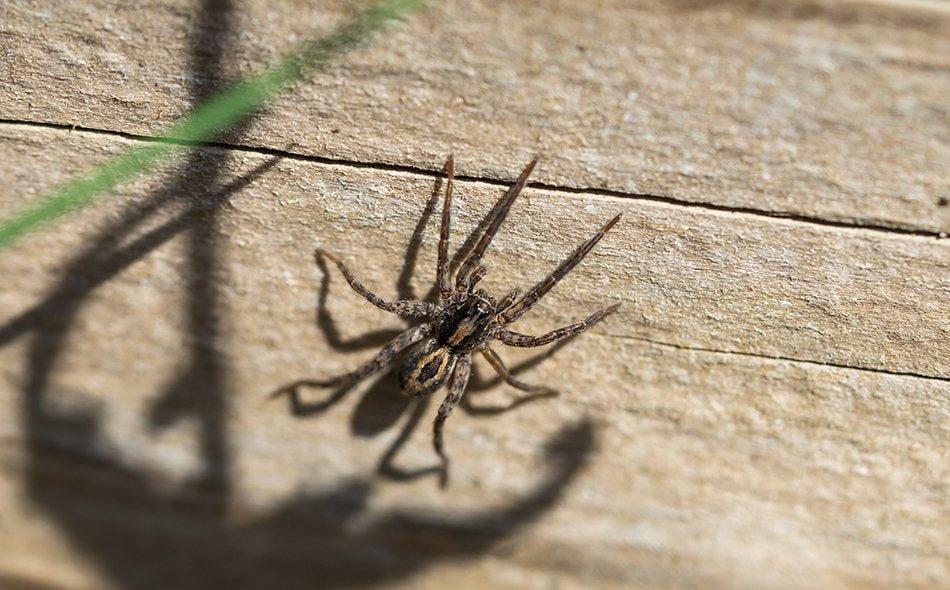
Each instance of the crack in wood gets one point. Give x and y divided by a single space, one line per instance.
779 358
433 173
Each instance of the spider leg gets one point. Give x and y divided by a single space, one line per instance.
382 358
476 275
406 308
463 369
506 301
442 270
495 361
330 328
473 257
512 338
531 297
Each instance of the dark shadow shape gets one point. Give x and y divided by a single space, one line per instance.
301 408
383 403
329 328
314 540
387 464
404 288
380 407
106 257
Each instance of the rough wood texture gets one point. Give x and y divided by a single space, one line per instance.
706 463
827 110
769 408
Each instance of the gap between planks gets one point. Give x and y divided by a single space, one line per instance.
594 192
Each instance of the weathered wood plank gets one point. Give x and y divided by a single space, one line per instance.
700 279
833 111
141 337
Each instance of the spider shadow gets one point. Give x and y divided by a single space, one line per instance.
383 404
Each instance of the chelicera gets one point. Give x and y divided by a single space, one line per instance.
465 320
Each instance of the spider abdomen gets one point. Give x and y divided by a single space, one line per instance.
425 368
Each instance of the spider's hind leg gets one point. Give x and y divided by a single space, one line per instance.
459 381
520 307
344 382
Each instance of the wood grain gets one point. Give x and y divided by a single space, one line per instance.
697 279
770 407
831 111
142 337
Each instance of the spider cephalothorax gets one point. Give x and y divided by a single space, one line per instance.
465 319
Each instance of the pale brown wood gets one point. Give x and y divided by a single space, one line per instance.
770 408
687 277
828 110
142 336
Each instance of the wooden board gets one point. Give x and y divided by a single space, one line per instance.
768 409
690 278
825 110
133 371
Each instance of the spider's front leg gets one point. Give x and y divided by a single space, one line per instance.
442 278
405 308
519 308
471 259
512 338
463 368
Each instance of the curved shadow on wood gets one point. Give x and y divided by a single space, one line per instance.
141 535
144 539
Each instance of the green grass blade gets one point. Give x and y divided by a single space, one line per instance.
218 114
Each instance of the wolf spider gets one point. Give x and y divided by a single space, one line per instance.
465 319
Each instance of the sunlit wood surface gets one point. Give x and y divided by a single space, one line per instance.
768 408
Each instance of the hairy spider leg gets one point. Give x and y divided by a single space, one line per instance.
506 301
473 257
405 308
442 277
463 368
512 338
382 358
476 275
495 361
531 297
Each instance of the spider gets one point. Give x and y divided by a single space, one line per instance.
465 320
